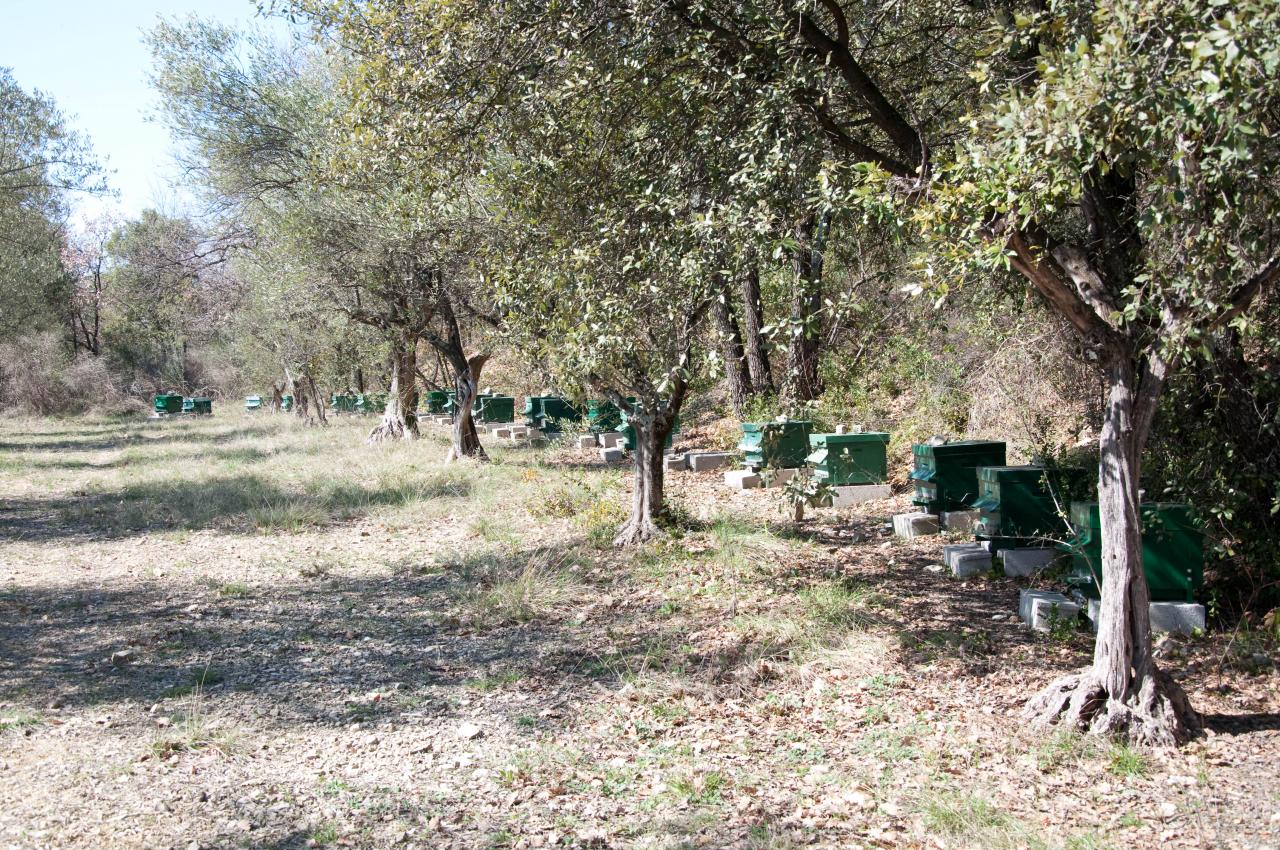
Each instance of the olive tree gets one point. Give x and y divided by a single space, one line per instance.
269 130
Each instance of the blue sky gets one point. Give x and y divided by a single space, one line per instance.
89 56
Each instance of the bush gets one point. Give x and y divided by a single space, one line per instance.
39 378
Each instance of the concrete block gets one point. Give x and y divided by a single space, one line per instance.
915 524
1039 608
613 455
742 479
609 439
847 496
957 550
1180 618
707 461
675 463
961 520
779 477
588 441
1020 563
970 564
501 432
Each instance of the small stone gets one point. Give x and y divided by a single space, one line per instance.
122 657
469 731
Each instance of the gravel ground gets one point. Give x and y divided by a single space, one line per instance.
369 650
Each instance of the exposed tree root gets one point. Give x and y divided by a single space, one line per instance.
391 428
636 530
1158 713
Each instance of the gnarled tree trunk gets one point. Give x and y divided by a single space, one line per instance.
735 362
400 417
647 498
1123 693
466 439
753 339
803 382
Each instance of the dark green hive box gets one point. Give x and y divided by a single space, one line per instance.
168 403
946 476
286 402
1172 551
363 404
497 408
1024 505
844 459
549 412
780 445
435 401
604 415
253 402
343 403
200 406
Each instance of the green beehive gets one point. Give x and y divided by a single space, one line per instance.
168 403
435 401
253 402
946 476
1023 505
604 415
549 412
844 459
362 404
780 445
376 402
286 402
343 403
200 405
451 402
1172 550
496 408
628 431
188 405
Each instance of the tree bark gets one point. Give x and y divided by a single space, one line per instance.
320 416
466 439
803 382
753 321
735 363
647 498
400 417
1123 693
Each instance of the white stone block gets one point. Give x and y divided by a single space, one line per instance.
609 439
970 564
848 495
1181 618
613 455
742 479
915 524
588 441
1040 608
956 550
502 432
520 431
675 463
1019 563
707 461
961 520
